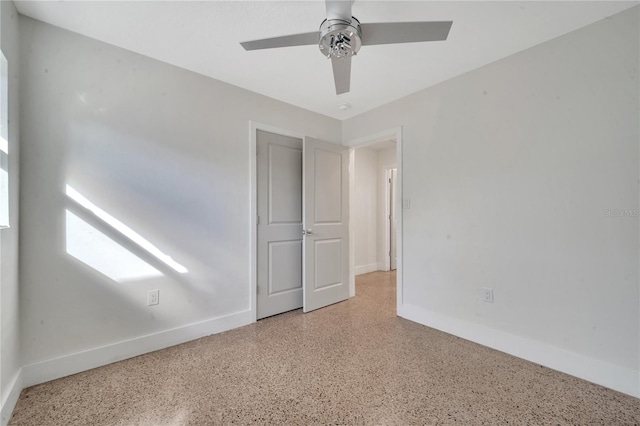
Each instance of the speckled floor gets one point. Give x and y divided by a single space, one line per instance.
351 363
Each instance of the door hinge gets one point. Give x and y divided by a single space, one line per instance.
389 180
257 220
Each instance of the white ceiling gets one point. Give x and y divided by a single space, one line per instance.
204 37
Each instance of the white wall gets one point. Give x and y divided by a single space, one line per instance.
387 157
163 150
510 170
10 362
386 160
371 210
366 210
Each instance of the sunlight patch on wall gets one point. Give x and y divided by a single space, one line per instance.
97 250
91 240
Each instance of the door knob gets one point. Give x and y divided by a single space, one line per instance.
307 232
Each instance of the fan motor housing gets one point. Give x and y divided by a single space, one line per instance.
340 38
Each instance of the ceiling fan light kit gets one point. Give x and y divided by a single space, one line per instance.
341 36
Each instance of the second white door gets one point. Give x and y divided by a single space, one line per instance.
326 219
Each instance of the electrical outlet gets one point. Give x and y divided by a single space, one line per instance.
487 294
153 297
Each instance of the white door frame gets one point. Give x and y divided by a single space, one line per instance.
394 133
253 207
386 172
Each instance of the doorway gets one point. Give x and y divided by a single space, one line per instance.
389 204
299 222
374 208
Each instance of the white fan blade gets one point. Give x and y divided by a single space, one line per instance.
283 41
404 32
342 74
339 9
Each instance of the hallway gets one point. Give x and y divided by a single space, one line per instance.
354 362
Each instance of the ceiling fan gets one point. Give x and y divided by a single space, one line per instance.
341 35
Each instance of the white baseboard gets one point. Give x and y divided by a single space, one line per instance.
66 365
365 269
613 376
9 402
384 266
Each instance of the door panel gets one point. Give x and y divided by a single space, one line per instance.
326 218
279 173
285 266
328 188
285 184
328 253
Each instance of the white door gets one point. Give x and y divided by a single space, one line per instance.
393 225
326 219
279 192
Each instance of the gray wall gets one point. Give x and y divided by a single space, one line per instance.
165 152
10 361
511 170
